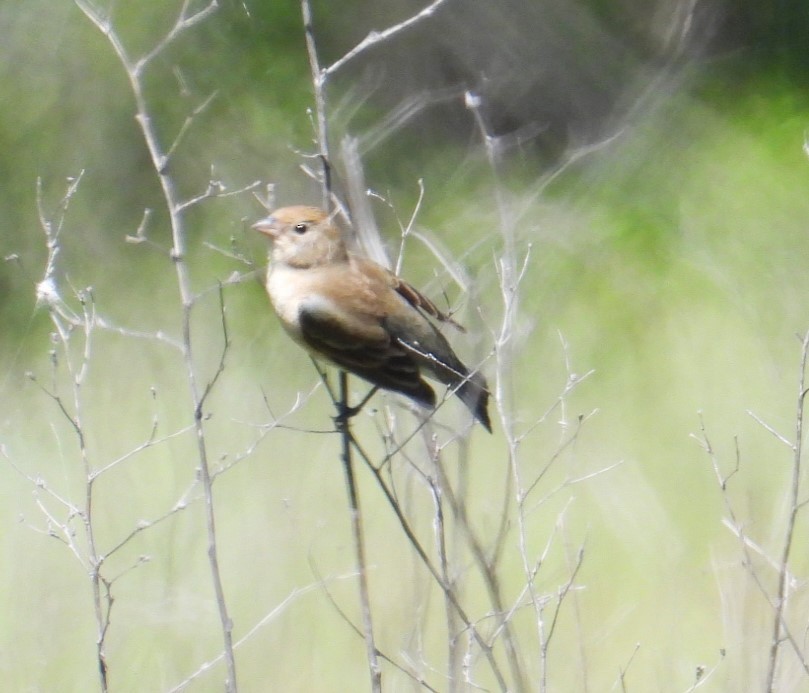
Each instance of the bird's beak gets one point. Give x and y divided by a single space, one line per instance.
266 226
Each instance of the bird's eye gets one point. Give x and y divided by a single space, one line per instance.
300 228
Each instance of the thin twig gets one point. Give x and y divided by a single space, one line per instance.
183 22
375 37
359 539
624 669
411 674
271 615
319 86
439 525
782 594
404 523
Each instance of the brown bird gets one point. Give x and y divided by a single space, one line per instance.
358 315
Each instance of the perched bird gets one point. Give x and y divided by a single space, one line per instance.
358 315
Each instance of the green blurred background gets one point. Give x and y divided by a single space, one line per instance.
670 259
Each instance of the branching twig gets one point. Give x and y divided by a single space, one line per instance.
68 323
449 593
175 207
781 632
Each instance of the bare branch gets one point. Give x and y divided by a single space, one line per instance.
181 504
375 37
186 19
780 627
279 609
220 368
187 124
184 22
624 669
151 442
485 647
140 232
771 430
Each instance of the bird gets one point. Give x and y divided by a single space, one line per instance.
350 311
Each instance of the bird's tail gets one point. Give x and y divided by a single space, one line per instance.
433 353
475 395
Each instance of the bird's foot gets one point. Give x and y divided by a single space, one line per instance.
346 413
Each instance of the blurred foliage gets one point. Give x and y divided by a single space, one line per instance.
670 259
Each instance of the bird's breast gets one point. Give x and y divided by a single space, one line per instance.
288 288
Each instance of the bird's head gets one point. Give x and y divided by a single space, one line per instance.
303 237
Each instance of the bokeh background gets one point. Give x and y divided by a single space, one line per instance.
651 166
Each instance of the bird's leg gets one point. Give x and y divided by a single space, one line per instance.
344 412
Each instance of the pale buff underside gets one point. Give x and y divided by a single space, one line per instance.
289 289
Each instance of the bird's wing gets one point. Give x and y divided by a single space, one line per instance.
407 291
364 347
431 352
420 338
420 301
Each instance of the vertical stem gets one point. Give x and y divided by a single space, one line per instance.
94 560
95 575
93 557
343 411
795 504
504 396
319 86
184 283
453 650
357 532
